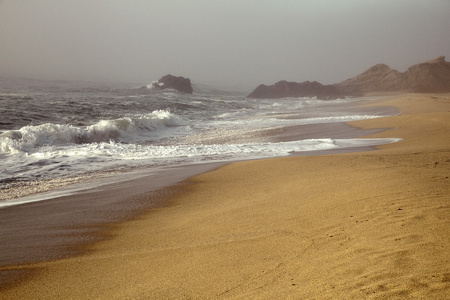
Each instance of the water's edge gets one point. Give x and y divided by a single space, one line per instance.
65 221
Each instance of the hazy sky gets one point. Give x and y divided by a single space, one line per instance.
218 42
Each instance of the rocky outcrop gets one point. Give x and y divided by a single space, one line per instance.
377 78
180 84
283 89
429 77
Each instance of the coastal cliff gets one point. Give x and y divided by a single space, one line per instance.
428 77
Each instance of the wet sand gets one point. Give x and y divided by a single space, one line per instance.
355 225
74 215
63 221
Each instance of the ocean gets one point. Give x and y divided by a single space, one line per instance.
57 133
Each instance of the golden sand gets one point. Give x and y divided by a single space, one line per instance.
367 225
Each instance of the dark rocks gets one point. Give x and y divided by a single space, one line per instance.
180 84
283 89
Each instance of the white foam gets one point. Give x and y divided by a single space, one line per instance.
121 151
335 119
30 139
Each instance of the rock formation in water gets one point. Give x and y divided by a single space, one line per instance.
180 84
284 89
429 77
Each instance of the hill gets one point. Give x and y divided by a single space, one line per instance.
428 77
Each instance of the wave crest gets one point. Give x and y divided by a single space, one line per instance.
127 129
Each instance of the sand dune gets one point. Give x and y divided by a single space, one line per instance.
367 225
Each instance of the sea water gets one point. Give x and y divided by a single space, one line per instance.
56 133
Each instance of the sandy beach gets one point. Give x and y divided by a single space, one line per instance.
365 225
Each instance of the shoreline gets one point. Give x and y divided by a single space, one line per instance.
82 213
59 223
25 191
245 228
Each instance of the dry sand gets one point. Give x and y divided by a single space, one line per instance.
356 225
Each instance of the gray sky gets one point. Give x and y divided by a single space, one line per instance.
218 42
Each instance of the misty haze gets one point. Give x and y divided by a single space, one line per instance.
221 43
270 149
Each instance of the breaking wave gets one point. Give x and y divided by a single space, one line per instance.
127 130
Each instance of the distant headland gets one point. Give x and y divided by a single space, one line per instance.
428 77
